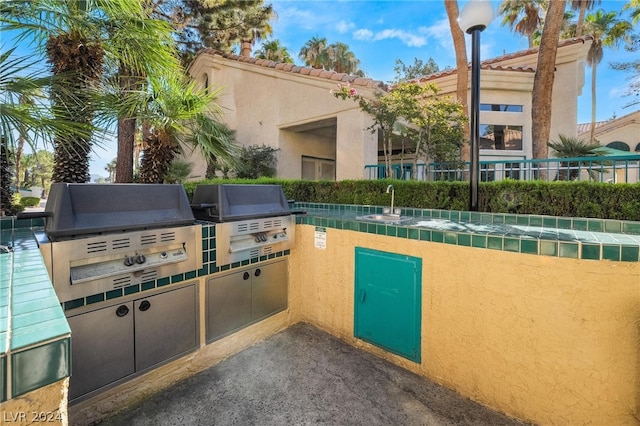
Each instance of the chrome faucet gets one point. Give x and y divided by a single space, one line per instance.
393 193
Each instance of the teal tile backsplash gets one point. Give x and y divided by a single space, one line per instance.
577 238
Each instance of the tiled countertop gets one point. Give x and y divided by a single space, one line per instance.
34 333
582 238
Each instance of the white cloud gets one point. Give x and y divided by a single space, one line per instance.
411 40
363 34
439 31
344 26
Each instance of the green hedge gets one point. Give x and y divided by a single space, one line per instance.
568 199
30 201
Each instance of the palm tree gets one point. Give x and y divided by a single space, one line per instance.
77 37
634 7
543 80
111 169
461 66
341 59
274 51
607 30
572 147
314 53
523 16
178 115
255 26
582 6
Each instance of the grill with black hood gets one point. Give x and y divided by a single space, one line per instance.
99 238
251 220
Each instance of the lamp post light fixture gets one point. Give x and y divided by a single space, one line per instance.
473 19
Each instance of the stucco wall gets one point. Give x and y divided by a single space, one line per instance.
549 340
267 106
47 405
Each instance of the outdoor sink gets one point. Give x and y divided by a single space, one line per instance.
385 218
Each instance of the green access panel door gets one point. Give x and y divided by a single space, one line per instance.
388 301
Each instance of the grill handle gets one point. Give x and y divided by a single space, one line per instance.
203 206
33 215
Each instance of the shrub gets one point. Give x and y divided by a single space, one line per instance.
30 201
568 199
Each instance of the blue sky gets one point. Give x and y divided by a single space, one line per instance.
379 32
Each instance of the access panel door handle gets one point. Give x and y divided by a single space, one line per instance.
246 276
257 272
145 305
363 296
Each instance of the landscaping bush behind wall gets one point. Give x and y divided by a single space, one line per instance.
568 199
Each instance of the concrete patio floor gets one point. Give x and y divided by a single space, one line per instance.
304 376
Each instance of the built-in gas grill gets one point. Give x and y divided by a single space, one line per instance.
98 238
252 220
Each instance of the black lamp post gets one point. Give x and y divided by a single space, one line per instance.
474 17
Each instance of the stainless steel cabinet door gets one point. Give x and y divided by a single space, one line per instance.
101 348
269 293
228 305
165 326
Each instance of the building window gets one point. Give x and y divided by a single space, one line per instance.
501 137
501 107
314 168
206 83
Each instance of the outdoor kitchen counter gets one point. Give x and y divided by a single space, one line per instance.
580 238
34 333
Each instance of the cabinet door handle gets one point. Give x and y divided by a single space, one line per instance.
364 296
122 311
246 276
145 305
257 273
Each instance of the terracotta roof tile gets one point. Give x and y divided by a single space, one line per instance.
493 63
296 69
534 50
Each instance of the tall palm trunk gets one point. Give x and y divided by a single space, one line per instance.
592 134
77 62
158 154
126 130
463 71
580 24
542 96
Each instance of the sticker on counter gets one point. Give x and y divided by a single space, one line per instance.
321 237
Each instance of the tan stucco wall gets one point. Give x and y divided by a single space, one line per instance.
47 405
549 340
264 106
624 129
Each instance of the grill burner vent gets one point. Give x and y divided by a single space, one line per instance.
96 247
120 243
122 281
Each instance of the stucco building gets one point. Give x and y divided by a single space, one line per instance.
622 133
290 108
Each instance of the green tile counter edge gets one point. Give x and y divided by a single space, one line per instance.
341 216
33 327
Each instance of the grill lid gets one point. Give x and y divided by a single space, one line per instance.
228 202
78 209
